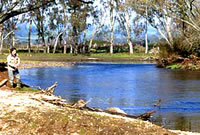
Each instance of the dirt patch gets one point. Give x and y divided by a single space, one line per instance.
37 64
22 115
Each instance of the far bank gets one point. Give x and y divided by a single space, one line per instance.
103 57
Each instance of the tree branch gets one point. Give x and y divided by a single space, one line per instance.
6 16
86 2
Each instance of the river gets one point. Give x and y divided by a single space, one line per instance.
133 87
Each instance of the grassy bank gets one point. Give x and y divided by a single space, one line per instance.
81 57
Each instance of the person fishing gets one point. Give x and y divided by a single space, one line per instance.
13 62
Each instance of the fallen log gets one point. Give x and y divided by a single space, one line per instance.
3 82
115 109
81 104
147 115
49 90
144 116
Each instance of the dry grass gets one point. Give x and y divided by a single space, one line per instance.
22 115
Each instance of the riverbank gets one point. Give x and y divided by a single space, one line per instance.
118 57
176 62
23 115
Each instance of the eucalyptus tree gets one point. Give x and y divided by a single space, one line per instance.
9 28
159 16
13 22
29 33
111 4
125 12
79 13
7 31
187 14
28 18
58 23
63 3
175 19
11 8
99 17
40 21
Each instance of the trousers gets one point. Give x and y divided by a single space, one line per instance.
12 74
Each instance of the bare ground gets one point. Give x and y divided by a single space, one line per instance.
20 114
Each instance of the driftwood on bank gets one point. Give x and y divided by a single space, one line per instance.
49 91
3 82
81 104
113 110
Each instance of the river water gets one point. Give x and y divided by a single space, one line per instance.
134 88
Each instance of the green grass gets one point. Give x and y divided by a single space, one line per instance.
72 57
86 55
120 55
26 89
174 66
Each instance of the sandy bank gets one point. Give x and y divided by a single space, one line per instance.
21 114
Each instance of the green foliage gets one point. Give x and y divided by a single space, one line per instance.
120 55
139 49
165 50
98 42
153 44
174 66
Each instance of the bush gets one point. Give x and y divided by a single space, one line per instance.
165 50
139 49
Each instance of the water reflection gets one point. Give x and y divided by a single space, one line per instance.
178 121
132 87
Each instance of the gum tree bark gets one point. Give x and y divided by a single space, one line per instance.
94 34
29 34
111 25
146 30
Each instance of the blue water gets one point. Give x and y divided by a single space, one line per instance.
132 87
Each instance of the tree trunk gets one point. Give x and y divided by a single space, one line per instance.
13 41
93 36
1 46
43 39
129 38
130 46
168 30
71 49
56 42
65 49
1 35
48 49
111 26
146 30
29 35
2 39
128 31
163 35
42 32
65 27
84 42
146 43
